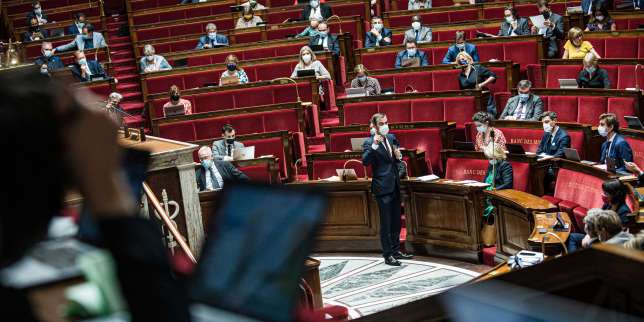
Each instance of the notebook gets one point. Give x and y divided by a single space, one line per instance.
174 110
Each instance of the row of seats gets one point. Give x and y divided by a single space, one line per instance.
33 49
621 76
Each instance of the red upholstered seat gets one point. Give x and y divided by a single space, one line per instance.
427 140
253 97
359 113
463 15
490 51
626 76
528 138
552 200
209 128
281 120
445 80
459 109
501 82
621 47
198 79
565 106
578 214
590 108
567 206
216 101
462 169
396 111
427 109
576 189
421 81
521 52
638 150
556 72
386 81
599 44
258 173
621 106
379 60
163 84
183 131
521 173
271 146
340 142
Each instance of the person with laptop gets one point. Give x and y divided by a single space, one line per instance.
592 76
411 56
176 101
233 73
615 147
224 149
212 174
381 152
378 36
308 61
525 106
325 39
248 19
362 80
150 62
86 70
212 39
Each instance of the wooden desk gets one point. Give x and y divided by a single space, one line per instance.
552 244
514 219
442 215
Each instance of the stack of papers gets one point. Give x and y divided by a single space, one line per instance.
428 178
476 184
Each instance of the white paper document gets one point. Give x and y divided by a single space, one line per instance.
427 178
537 21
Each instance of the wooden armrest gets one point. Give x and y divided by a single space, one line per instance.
521 199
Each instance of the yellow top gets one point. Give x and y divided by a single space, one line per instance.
578 52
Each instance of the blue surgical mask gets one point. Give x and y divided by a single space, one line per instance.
460 46
590 70
38 11
82 61
48 53
463 61
523 97
493 161
206 163
362 78
481 128
411 52
378 26
384 129
212 35
80 25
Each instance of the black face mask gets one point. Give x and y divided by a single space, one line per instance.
175 97
230 141
546 14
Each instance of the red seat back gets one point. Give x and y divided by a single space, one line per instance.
637 146
466 169
580 188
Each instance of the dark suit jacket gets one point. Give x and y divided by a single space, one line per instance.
556 147
371 41
620 151
32 14
73 30
203 40
94 66
325 10
599 79
227 171
26 36
52 62
384 167
522 28
402 55
623 211
503 177
453 51
334 46
534 107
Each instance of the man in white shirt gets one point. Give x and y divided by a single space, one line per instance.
212 174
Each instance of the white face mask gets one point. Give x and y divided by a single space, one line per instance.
547 127
599 18
306 58
212 35
377 26
415 25
493 161
603 131
47 53
315 4
509 19
82 61
481 128
411 52
384 129
149 57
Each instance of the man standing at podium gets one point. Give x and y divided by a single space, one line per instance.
381 152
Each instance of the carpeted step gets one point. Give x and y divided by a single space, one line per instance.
121 46
123 70
122 54
118 40
132 107
128 87
132 96
134 121
123 62
330 122
127 78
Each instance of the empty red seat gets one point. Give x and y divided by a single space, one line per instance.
183 131
621 47
565 106
427 109
637 146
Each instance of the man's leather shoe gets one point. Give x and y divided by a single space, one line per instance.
392 261
401 255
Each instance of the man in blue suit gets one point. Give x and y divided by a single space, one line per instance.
615 146
212 39
327 41
459 46
381 152
85 70
411 56
554 139
79 23
378 35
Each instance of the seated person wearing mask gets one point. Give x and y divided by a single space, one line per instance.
475 76
554 139
316 9
483 122
513 24
79 23
499 174
525 106
616 146
89 39
85 70
411 56
308 61
212 174
48 61
233 69
422 34
151 62
327 41
312 29
419 4
175 99
592 76
37 13
212 39
34 33
614 194
576 47
378 35
553 28
600 20
459 47
248 19
253 4
362 80
223 149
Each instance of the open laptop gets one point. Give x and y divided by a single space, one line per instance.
356 92
568 83
573 155
634 122
305 72
245 153
356 143
254 256
174 110
515 148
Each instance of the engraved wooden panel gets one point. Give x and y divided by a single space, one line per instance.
513 230
441 215
349 214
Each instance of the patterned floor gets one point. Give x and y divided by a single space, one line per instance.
366 285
